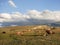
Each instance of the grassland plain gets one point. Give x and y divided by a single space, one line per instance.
29 35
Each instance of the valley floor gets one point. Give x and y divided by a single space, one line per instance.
32 35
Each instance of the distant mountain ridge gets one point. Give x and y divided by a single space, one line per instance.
56 24
31 22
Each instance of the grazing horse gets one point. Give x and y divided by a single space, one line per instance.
19 33
3 32
50 32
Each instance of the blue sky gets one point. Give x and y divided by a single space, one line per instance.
25 5
24 12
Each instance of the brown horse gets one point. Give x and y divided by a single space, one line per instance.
19 33
50 32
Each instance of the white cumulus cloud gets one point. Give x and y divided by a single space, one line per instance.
12 3
31 17
34 14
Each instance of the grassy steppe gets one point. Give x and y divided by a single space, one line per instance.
33 37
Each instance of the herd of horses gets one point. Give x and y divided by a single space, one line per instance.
47 31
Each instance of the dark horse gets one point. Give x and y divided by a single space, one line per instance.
50 32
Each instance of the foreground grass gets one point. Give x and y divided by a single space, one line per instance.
10 38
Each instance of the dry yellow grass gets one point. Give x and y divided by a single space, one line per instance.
29 35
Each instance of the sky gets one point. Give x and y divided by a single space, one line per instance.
28 12
25 5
